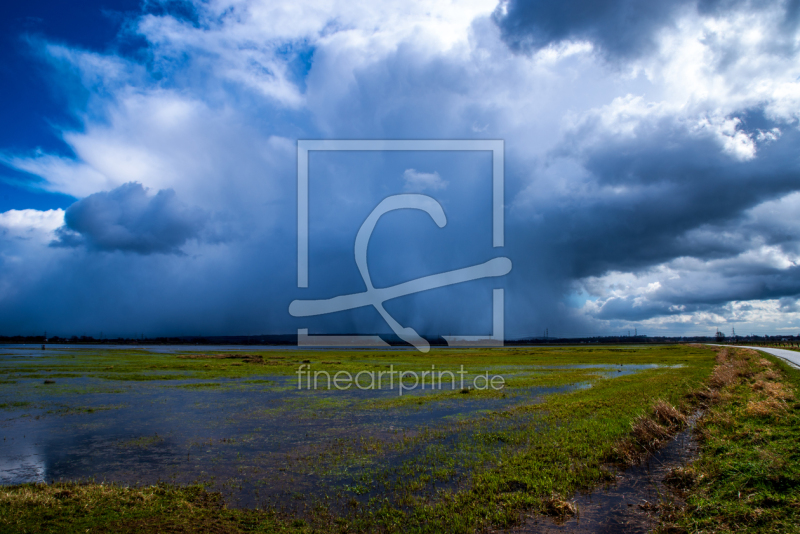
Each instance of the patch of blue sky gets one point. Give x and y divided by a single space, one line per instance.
299 57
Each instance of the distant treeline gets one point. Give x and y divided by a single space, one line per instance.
741 340
291 339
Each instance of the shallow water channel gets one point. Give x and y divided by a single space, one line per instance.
632 503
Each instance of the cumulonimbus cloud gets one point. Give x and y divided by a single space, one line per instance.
127 219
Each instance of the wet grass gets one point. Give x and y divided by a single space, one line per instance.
142 365
13 405
141 442
483 470
748 476
583 430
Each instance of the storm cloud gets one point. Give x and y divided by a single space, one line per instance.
128 219
618 28
653 185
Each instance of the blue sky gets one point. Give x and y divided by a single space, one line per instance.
148 163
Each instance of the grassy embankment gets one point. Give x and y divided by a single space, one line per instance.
541 453
747 478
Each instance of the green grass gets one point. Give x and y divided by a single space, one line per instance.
65 507
12 405
142 442
748 476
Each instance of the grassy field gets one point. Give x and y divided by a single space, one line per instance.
484 469
747 478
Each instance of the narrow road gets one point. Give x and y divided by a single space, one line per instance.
791 356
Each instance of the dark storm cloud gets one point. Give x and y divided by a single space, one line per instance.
789 305
127 219
656 187
620 28
666 193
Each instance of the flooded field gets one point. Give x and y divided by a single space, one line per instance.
250 424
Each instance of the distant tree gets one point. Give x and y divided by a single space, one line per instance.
720 336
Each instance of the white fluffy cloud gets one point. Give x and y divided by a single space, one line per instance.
423 181
30 224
